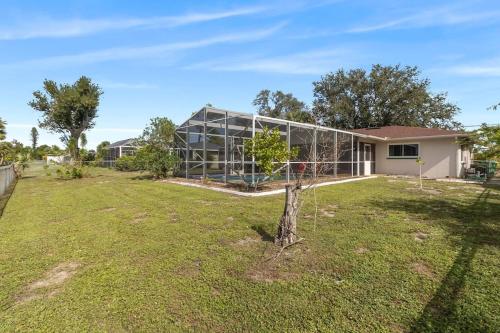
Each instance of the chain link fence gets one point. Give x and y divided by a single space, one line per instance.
7 176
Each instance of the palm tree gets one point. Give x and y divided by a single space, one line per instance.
3 132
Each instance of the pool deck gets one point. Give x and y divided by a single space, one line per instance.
266 193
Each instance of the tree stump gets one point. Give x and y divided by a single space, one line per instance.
287 229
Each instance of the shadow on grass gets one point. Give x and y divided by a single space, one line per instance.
470 222
266 237
142 177
4 198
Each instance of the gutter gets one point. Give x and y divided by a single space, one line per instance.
411 137
427 137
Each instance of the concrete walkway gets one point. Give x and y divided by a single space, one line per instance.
266 193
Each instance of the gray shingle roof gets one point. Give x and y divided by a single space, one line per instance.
121 143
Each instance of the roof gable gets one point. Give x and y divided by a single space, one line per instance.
121 143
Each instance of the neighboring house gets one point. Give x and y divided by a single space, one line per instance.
119 149
211 143
397 148
58 159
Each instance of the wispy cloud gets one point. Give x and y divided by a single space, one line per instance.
313 62
431 17
484 68
54 28
154 51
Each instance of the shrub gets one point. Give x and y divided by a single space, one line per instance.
159 162
127 163
68 171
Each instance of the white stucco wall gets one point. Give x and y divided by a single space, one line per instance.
441 156
57 159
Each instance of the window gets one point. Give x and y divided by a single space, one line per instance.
406 150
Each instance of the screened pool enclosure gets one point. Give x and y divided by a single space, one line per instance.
211 144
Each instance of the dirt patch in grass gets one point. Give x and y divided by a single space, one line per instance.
50 284
174 217
422 269
246 241
190 269
398 328
328 211
361 250
269 273
421 236
138 218
230 219
108 209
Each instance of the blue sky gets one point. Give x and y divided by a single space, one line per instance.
169 58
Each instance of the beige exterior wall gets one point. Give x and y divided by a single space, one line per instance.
442 159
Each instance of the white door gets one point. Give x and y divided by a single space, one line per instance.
368 159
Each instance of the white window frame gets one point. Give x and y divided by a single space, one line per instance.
402 151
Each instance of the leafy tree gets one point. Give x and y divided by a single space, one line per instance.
44 150
87 155
271 154
387 95
21 162
6 151
34 138
127 163
101 150
68 109
280 105
485 142
3 132
156 153
159 133
159 162
269 150
15 153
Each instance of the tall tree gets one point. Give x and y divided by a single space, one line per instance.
3 132
68 109
485 142
159 133
280 105
387 95
34 138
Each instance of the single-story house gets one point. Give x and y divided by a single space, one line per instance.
397 148
118 149
211 143
121 148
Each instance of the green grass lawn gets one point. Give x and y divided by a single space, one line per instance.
117 252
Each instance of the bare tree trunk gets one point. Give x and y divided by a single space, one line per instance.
287 229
